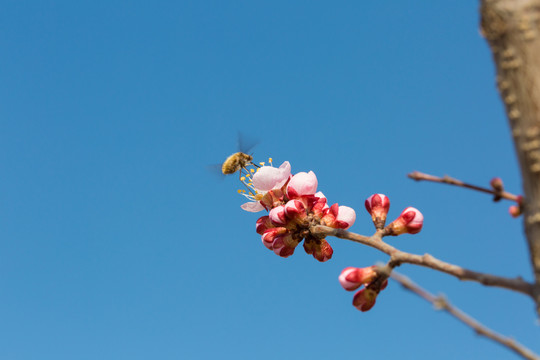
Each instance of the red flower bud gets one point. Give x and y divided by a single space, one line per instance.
269 236
295 209
263 223
497 184
284 245
377 206
320 249
277 215
352 278
410 221
364 299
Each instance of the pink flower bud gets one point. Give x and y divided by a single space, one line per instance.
277 215
410 221
320 249
330 215
294 208
352 278
320 206
364 299
263 223
341 217
377 206
284 245
515 211
346 217
302 184
269 236
320 195
497 184
323 251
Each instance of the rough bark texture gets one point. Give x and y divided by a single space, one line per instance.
512 29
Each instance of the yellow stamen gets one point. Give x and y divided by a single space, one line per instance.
261 163
240 191
243 178
248 175
258 197
252 170
270 160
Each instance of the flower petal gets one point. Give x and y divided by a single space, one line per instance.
346 217
302 184
252 206
269 177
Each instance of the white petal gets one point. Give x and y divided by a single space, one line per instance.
252 206
269 178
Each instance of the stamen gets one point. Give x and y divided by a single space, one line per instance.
243 178
261 163
252 170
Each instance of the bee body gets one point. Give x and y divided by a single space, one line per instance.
235 162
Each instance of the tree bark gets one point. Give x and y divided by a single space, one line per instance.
512 29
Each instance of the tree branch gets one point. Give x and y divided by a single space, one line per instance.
441 303
398 257
418 176
512 29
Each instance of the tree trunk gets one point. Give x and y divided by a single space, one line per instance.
512 29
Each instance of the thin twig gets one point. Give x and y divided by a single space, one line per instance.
418 176
441 303
398 257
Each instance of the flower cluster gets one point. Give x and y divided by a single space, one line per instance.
352 278
409 221
294 205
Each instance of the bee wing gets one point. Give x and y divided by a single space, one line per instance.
246 143
215 169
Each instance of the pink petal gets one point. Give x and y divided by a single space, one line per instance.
269 177
302 184
346 281
414 219
252 206
277 215
346 217
378 203
294 208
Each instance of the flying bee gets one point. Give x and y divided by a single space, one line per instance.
236 162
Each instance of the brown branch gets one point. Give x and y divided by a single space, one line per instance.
511 28
441 303
398 257
418 176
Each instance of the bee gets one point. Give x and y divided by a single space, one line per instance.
236 162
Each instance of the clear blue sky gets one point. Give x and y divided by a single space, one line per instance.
116 242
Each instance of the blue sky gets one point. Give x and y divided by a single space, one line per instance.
117 243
